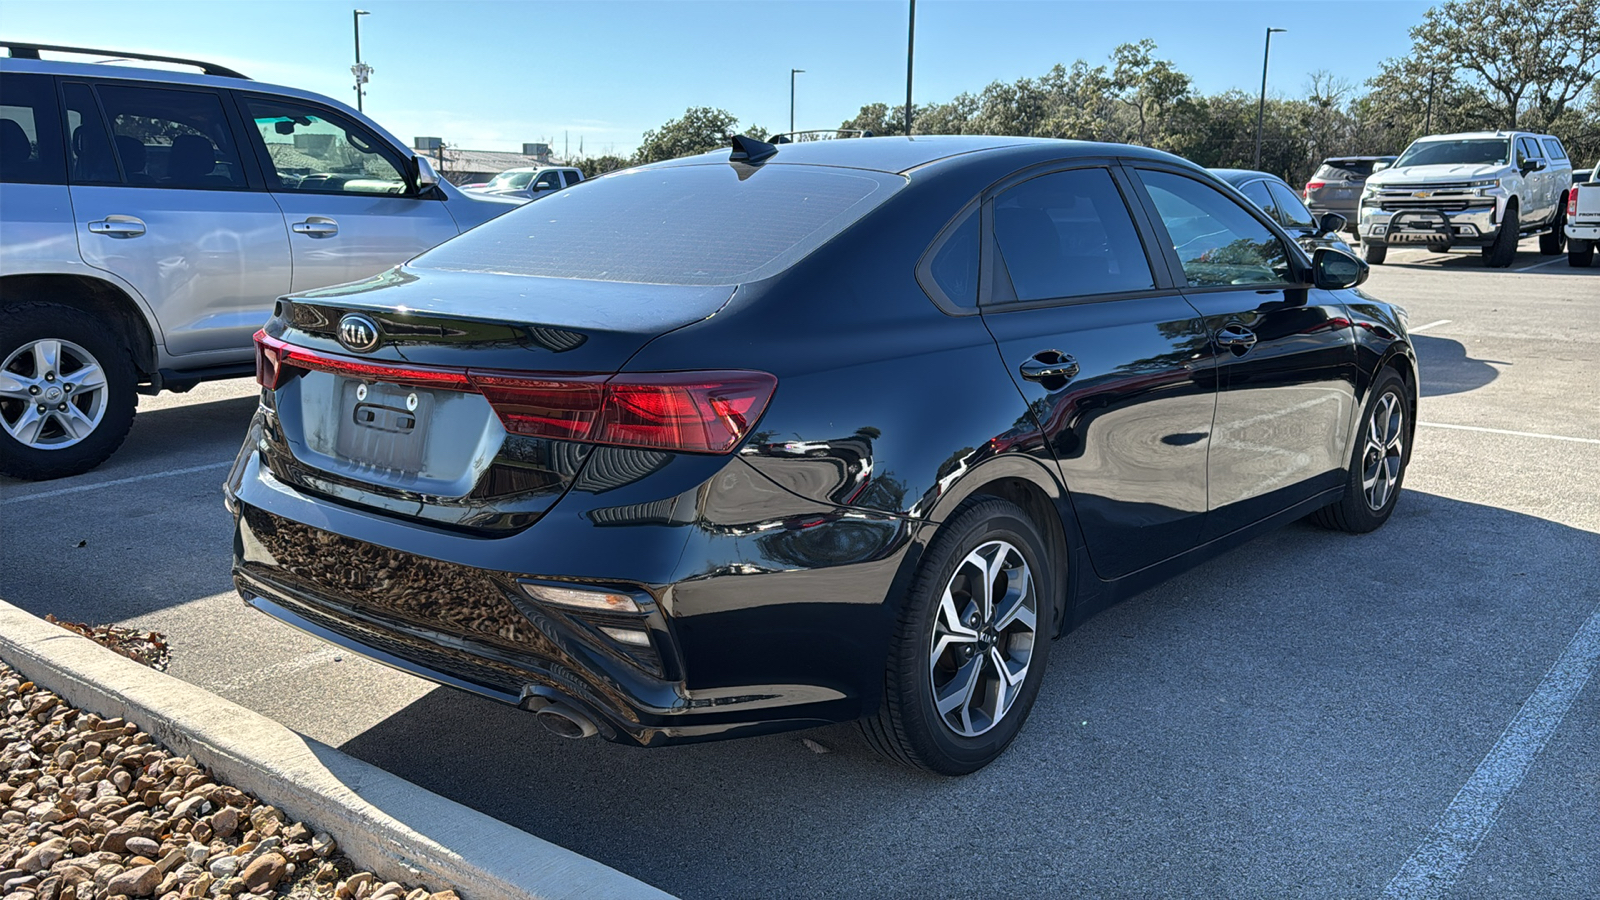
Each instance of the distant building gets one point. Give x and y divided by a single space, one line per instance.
467 166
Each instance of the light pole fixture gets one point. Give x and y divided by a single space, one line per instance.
1261 108
792 74
911 46
360 70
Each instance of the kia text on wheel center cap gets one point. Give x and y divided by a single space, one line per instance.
358 332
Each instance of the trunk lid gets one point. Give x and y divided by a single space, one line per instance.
406 427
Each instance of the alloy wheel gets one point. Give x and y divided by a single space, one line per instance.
1385 450
52 394
983 638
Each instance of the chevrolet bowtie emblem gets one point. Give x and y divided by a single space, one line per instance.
1422 195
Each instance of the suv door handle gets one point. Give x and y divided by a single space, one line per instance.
316 226
118 227
1237 338
1048 364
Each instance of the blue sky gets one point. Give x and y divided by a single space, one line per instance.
490 75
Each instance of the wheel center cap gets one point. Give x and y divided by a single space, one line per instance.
52 395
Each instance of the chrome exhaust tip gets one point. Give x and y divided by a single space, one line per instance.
565 721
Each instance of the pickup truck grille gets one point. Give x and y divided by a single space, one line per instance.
1390 204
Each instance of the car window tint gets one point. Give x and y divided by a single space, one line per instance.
316 151
89 157
1291 212
1069 234
30 131
550 179
173 139
953 268
1344 170
1257 192
571 176
685 224
1526 149
1554 149
1216 240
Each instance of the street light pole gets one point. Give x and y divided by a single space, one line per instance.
1261 108
792 74
911 46
1428 128
360 71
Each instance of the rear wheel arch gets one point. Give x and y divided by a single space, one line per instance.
124 316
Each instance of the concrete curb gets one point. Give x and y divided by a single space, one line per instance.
385 824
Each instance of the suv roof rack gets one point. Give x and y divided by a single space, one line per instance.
31 51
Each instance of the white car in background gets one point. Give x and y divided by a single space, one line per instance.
1583 220
529 183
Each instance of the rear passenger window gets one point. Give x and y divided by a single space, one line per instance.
172 139
1069 234
30 131
950 274
89 157
1291 212
1217 242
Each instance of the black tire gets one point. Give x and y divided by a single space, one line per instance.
105 412
1555 241
1356 513
1375 253
909 727
1504 249
1580 254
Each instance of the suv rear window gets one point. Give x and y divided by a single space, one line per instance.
695 224
1344 170
30 131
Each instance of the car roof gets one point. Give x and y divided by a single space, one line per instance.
195 79
899 154
1237 177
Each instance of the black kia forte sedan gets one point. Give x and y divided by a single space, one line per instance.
781 436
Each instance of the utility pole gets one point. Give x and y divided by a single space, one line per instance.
362 72
792 74
1261 108
911 46
1428 128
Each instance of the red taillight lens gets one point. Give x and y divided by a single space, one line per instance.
698 412
692 412
1311 186
1572 203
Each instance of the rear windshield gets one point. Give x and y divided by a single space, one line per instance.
698 224
1492 151
1345 169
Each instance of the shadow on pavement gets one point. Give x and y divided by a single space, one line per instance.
1293 715
1447 369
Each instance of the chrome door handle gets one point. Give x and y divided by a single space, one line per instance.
118 227
1237 338
1048 364
316 226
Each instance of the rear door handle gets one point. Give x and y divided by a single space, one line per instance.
316 226
1237 338
118 227
1048 364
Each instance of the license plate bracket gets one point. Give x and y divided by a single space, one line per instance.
383 425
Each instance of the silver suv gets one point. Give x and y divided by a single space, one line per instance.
1486 189
152 217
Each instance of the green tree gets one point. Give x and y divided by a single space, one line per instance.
594 166
1531 57
701 129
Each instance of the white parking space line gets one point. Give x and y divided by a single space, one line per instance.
1421 328
1548 262
59 492
1434 866
1530 434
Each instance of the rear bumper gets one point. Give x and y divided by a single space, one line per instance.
1583 230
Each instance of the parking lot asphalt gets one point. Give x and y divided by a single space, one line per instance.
1311 715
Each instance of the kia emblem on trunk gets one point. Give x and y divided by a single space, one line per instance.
358 332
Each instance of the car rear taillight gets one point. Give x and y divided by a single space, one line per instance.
1572 202
692 412
1311 186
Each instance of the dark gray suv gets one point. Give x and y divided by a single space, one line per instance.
1336 186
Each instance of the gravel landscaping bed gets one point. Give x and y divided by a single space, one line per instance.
93 809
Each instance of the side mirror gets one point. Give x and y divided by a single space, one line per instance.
1380 166
1532 165
1331 223
1333 270
425 177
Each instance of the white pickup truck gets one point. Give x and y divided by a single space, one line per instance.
1583 220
